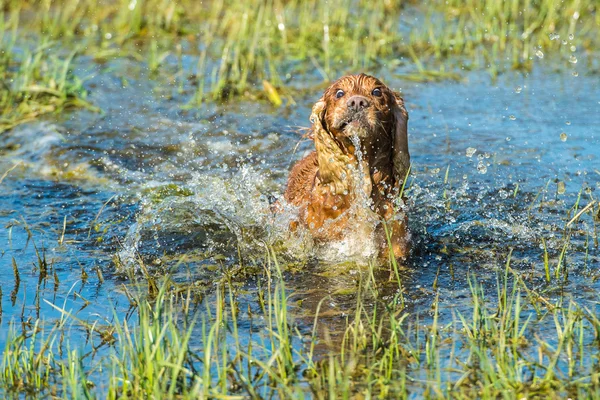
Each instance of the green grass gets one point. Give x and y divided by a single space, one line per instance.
492 349
36 79
253 48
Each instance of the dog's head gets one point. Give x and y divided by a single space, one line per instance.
360 109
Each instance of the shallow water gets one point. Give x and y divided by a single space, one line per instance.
148 179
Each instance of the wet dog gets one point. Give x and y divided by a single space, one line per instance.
354 178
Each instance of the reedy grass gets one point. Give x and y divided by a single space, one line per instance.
241 44
35 81
492 349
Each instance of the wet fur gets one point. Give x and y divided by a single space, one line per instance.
321 184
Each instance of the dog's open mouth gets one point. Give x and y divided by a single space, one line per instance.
353 124
351 121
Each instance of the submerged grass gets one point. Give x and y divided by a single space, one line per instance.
247 47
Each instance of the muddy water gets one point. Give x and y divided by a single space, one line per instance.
497 166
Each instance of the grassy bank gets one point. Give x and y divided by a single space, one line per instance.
243 47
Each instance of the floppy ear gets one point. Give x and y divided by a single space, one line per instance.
401 156
316 118
318 112
333 170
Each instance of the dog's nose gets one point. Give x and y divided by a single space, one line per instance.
357 103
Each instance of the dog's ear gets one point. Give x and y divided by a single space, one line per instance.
318 112
317 116
333 162
401 156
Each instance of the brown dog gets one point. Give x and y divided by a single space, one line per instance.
360 163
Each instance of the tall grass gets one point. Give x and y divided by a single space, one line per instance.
245 47
36 79
494 348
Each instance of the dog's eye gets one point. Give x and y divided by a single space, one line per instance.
339 93
376 92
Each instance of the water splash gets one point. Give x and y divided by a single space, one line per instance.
219 211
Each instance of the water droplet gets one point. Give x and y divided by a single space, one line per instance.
571 36
573 48
563 137
575 73
512 117
518 89
539 54
568 122
560 187
508 138
471 151
573 59
481 168
554 36
564 42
